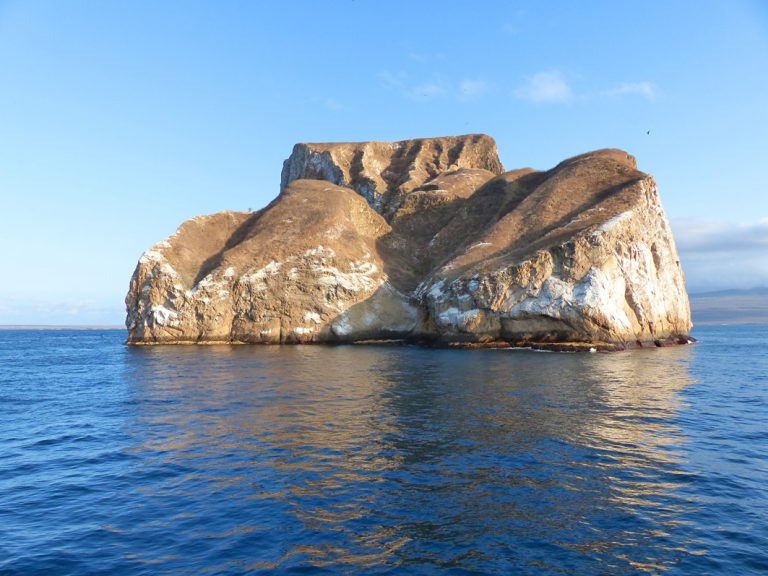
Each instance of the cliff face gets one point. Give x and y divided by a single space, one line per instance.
427 240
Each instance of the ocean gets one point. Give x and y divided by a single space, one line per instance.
382 459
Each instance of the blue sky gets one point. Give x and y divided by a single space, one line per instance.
119 120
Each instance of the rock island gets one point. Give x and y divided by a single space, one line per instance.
428 240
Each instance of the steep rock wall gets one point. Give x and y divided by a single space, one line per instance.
620 280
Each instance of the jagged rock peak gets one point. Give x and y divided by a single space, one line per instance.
384 173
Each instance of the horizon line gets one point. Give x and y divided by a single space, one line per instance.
62 327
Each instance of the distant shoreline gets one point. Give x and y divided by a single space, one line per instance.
59 327
730 307
730 322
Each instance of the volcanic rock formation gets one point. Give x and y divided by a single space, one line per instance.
427 240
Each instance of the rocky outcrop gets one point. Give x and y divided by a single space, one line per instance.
427 240
290 273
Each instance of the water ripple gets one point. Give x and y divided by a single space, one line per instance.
379 460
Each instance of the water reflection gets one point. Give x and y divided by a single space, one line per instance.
354 457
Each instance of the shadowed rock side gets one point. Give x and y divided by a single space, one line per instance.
424 240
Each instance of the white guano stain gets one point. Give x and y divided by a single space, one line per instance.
609 225
312 317
164 316
320 250
457 319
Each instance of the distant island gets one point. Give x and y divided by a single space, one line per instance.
430 241
60 327
748 306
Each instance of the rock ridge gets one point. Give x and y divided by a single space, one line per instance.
385 172
427 240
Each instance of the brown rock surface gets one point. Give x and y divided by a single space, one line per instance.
427 240
385 172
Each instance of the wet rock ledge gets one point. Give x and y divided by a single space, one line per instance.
427 241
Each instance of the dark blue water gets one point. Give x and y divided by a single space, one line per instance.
379 460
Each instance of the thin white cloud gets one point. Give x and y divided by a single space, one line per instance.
716 235
549 86
328 103
510 28
392 80
470 89
400 82
425 57
433 88
718 255
333 104
426 91
515 24
645 89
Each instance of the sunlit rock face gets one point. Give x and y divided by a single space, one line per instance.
290 273
428 240
385 173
